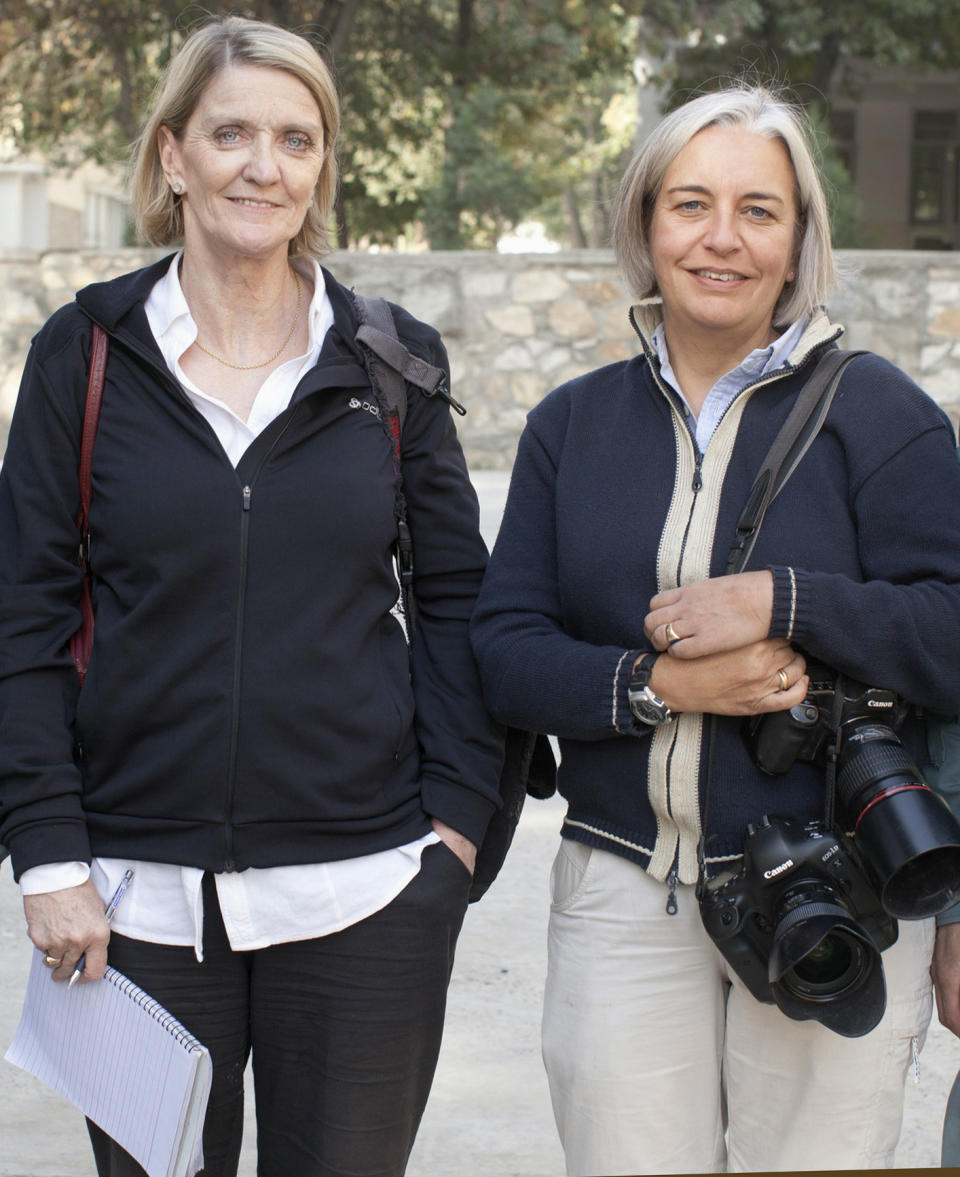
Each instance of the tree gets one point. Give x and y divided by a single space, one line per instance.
76 76
534 92
814 49
813 45
72 79
450 107
462 117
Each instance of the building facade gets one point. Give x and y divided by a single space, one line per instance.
900 140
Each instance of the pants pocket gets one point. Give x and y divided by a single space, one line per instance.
570 874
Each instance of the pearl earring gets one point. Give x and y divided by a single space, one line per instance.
177 187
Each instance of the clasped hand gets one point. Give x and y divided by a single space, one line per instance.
720 657
725 613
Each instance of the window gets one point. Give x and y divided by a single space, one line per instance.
934 177
106 216
843 132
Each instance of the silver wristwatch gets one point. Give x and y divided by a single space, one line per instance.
647 707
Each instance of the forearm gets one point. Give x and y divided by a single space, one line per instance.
900 636
762 677
461 746
945 971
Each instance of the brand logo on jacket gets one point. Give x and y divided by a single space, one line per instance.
370 408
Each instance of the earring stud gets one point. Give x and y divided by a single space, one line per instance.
177 187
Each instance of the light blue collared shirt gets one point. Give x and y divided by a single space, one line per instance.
729 386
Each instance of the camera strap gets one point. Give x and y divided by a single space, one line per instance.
799 430
802 425
833 754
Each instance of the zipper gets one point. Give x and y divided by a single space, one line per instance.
246 499
246 505
696 486
677 405
673 878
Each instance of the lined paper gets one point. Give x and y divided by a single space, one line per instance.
123 1060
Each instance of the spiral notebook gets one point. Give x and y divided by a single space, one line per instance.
123 1060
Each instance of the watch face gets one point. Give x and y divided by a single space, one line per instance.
648 708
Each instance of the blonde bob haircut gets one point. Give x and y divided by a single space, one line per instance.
754 108
229 41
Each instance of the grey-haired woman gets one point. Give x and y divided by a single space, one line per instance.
606 618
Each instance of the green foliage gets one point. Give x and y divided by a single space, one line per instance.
461 117
73 81
812 49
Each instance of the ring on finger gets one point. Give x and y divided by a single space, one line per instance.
670 633
52 961
784 681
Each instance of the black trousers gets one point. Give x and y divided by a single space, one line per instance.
344 1030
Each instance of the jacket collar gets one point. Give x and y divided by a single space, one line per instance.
109 303
117 304
647 315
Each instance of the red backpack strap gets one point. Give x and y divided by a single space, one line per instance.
81 644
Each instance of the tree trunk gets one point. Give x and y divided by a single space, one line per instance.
340 33
443 228
574 223
343 226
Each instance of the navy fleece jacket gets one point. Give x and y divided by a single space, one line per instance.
611 502
250 700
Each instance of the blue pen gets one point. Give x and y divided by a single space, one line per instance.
108 916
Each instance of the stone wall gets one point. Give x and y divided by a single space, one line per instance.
517 325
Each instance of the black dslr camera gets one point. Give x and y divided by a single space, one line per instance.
804 922
904 832
801 925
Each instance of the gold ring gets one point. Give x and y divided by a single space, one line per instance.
671 634
784 681
52 961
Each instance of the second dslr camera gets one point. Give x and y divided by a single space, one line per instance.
805 920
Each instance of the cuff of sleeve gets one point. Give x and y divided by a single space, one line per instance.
950 916
783 620
463 809
623 720
53 876
41 843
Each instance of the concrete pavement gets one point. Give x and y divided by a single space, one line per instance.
489 1114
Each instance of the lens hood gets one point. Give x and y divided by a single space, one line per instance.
824 966
911 843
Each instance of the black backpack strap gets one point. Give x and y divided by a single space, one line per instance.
800 428
391 366
386 359
384 356
529 765
378 335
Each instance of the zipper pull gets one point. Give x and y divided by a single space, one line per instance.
697 475
247 492
442 390
672 880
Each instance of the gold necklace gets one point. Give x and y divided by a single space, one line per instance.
250 367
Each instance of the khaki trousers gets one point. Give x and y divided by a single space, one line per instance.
661 1061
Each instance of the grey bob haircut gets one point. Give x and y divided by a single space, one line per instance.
211 48
754 108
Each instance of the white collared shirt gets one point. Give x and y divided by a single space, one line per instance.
164 904
175 331
726 389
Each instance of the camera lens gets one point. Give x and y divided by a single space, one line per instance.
824 964
906 833
827 970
